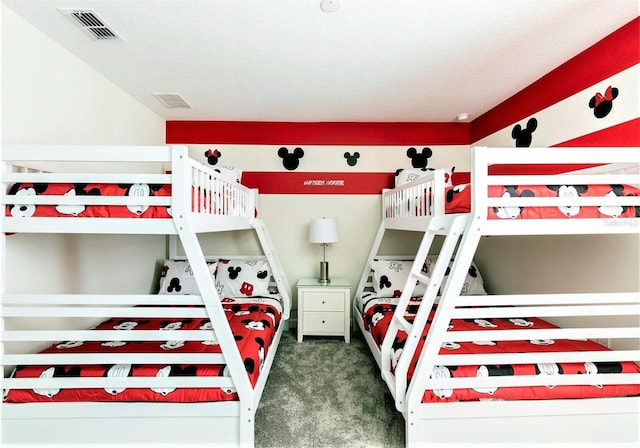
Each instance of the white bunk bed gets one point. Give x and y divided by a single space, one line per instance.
418 358
197 200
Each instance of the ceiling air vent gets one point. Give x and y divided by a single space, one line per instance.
172 100
91 23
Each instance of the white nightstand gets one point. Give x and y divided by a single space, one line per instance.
324 310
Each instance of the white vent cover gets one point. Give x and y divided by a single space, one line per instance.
172 100
91 23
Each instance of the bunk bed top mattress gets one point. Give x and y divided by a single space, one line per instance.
199 200
253 321
377 317
458 200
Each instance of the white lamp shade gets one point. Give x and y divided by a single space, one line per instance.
323 230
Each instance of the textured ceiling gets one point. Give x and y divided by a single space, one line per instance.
371 60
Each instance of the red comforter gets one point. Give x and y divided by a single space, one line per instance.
377 316
253 324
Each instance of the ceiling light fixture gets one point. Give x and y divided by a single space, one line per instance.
463 116
330 5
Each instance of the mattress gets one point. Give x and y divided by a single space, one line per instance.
458 200
218 204
253 321
377 314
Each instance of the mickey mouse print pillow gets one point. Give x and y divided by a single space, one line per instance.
405 175
243 277
177 277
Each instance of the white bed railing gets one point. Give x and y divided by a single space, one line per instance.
411 206
199 190
615 166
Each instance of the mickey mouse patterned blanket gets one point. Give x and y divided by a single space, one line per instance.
254 323
458 200
377 317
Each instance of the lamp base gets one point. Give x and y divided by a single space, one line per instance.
324 273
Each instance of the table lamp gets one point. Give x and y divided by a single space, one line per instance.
323 231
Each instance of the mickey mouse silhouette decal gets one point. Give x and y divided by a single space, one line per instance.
523 137
290 160
421 159
212 156
602 104
352 159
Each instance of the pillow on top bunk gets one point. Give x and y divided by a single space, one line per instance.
230 173
177 277
243 277
390 277
473 284
404 175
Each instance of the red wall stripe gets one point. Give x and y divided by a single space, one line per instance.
294 182
624 134
324 133
613 54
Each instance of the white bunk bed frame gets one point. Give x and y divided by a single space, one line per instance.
224 423
519 421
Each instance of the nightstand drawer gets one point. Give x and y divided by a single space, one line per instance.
324 310
321 321
324 301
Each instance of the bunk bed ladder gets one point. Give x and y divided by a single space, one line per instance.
276 267
396 376
233 359
372 255
444 314
212 303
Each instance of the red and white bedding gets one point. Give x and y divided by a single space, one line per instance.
377 317
221 204
254 322
458 200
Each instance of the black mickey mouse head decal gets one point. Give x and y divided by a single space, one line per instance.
290 161
523 137
352 159
602 104
419 159
212 156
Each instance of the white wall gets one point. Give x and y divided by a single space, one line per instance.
49 96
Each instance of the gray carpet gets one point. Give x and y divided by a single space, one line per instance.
325 393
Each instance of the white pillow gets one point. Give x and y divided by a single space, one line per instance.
230 173
177 277
406 175
473 284
390 277
243 277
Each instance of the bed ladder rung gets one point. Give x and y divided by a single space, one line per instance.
421 277
403 323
